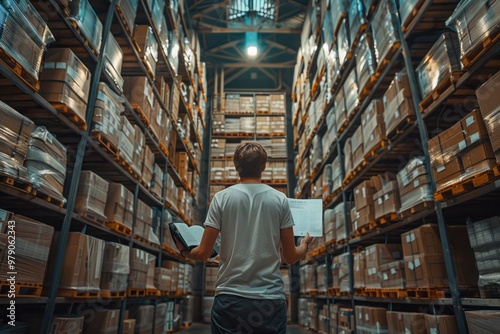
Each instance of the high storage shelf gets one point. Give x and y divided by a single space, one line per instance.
453 102
86 153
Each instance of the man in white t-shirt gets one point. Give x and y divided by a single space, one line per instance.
253 220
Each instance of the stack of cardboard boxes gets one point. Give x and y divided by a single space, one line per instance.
414 184
386 200
363 201
398 103
91 195
372 122
148 47
107 110
378 255
119 205
33 240
66 81
461 152
115 267
113 58
485 240
82 13
365 59
139 265
384 31
128 9
278 103
371 320
405 322
424 261
488 96
232 104
103 321
357 18
143 316
46 163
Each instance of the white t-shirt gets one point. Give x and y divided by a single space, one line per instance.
249 218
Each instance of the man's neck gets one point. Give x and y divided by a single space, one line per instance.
250 180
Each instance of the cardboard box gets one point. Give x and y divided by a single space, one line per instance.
482 321
82 263
148 47
138 91
474 127
475 158
425 271
422 240
129 326
393 275
441 324
488 96
363 194
395 322
376 256
398 103
144 318
103 321
448 172
139 266
118 206
373 124
115 267
67 324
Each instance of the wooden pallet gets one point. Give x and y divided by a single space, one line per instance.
71 115
366 228
479 50
382 64
131 292
464 186
342 241
47 198
367 88
142 115
19 70
360 292
374 293
85 40
345 293
379 147
20 289
146 241
388 218
106 144
91 216
119 228
493 293
416 209
20 185
72 293
152 292
393 293
401 128
437 92
312 292
106 294
411 17
333 292
186 325
121 16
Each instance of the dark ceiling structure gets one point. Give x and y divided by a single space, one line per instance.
225 29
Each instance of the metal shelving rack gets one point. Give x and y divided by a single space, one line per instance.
418 131
81 145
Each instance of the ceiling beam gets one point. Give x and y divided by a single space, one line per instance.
225 45
235 76
223 56
196 3
281 47
208 10
211 29
260 65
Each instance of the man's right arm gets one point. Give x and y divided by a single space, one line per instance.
292 253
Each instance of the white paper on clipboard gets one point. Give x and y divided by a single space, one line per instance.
308 216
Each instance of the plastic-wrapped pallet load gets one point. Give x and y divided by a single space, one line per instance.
344 276
414 184
346 321
474 21
358 156
24 34
356 17
329 225
462 151
157 181
484 239
108 108
119 205
488 96
174 269
406 7
350 94
359 264
82 263
91 195
332 66
150 276
173 51
340 221
148 160
143 219
304 317
393 275
144 318
441 324
157 13
363 200
103 321
403 322
87 20
366 63
398 105
140 94
343 41
46 163
33 242
139 266
439 63
66 81
115 267
160 318
128 9
139 143
321 278
113 62
148 46
386 200
384 31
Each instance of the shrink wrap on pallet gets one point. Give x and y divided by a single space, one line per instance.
356 17
366 63
414 184
113 62
148 46
88 22
128 8
91 195
15 133
115 267
384 31
483 321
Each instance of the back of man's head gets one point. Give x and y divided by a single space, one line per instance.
250 160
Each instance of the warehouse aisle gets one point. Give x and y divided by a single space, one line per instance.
205 329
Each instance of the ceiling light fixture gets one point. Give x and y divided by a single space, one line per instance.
252 50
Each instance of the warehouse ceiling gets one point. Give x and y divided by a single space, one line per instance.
226 28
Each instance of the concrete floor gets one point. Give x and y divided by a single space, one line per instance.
205 329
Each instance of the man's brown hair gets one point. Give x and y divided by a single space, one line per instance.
250 159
